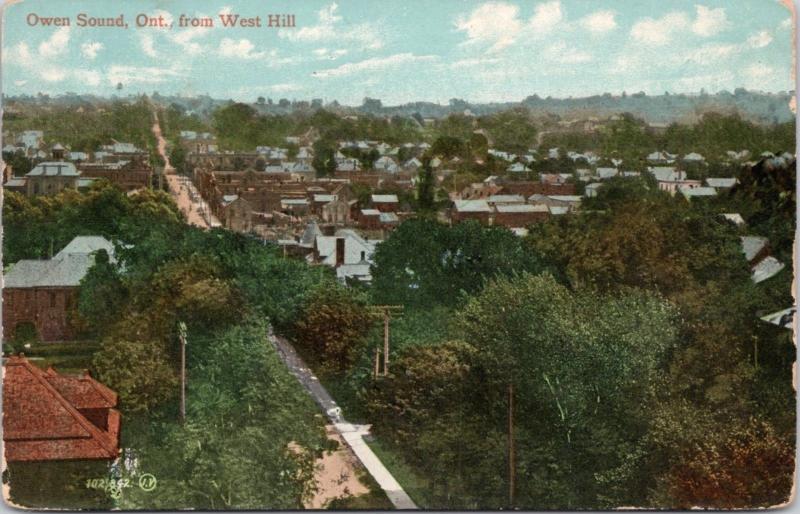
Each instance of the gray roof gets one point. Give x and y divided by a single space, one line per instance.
752 245
506 199
472 206
54 169
721 182
384 199
16 182
65 269
522 208
690 192
767 268
388 217
784 318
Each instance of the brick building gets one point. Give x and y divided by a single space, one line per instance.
43 293
48 416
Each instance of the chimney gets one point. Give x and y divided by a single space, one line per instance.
339 252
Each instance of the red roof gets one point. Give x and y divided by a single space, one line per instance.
42 418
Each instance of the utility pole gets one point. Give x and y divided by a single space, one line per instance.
182 336
511 463
386 312
385 342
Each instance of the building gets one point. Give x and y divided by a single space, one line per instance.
43 293
237 214
385 203
50 178
48 416
346 251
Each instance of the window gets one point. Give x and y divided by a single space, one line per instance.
52 299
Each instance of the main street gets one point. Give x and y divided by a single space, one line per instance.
186 195
352 434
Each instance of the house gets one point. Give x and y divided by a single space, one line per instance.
346 251
43 293
518 167
607 173
52 417
590 191
520 215
50 178
478 210
385 203
721 183
412 164
693 157
734 217
369 219
495 200
783 319
766 268
554 179
386 164
755 248
236 213
697 192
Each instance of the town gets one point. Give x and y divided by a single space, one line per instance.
367 261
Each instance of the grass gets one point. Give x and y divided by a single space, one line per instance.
375 499
414 485
71 357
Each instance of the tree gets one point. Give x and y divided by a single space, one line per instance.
586 369
748 468
333 326
324 161
426 194
425 263
139 371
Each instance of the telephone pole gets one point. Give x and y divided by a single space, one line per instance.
386 312
182 336
511 456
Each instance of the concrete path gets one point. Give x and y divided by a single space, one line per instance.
352 434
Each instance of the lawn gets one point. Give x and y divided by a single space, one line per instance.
70 357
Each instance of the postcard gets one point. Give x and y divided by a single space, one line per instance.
378 255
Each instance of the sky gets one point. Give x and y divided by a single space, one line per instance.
399 52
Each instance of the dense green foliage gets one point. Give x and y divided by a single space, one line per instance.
425 263
641 372
251 435
85 129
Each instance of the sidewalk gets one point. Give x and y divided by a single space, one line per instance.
352 434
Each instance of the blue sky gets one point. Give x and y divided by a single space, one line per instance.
430 50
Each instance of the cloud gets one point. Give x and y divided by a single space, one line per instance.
56 44
546 17
658 32
325 53
238 49
708 54
599 22
90 49
18 54
330 28
786 24
493 23
285 88
759 40
20 83
709 22
140 74
376 63
147 44
759 76
471 63
562 53
88 77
